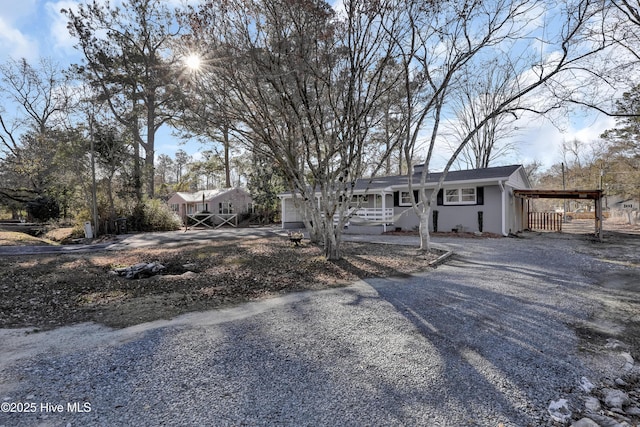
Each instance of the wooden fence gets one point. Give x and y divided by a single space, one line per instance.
548 221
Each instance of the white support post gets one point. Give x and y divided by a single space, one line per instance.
599 222
384 212
283 212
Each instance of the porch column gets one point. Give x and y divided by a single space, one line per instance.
598 201
282 212
384 213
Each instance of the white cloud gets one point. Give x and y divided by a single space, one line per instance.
338 7
62 40
542 141
15 44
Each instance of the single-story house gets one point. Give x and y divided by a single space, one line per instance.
623 204
222 203
624 207
471 200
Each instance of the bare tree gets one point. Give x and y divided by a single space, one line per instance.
480 94
625 29
614 70
32 134
441 44
306 85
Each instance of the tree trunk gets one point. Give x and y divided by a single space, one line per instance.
150 147
137 178
112 205
311 221
227 165
331 243
425 236
149 172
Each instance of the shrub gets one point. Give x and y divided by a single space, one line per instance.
154 215
43 208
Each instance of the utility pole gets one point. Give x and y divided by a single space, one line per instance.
94 198
564 187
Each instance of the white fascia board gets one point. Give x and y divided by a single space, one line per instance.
384 190
460 183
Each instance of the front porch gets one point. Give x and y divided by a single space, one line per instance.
211 220
365 211
368 216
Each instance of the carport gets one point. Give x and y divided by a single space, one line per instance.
595 195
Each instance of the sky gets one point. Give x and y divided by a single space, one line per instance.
33 29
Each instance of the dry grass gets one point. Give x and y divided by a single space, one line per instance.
14 238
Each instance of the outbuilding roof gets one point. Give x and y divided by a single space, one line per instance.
196 196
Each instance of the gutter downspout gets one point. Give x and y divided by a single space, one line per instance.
504 208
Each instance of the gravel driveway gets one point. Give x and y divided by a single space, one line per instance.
488 338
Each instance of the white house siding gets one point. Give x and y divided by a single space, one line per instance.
408 220
515 213
518 180
450 216
368 229
502 213
492 217
293 216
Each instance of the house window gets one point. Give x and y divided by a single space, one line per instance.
225 207
468 195
175 207
405 198
460 196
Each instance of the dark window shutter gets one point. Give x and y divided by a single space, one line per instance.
480 196
440 198
396 198
416 195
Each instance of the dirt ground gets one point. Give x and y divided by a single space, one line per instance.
46 291
619 318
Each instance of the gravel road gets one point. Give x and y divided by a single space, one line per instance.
487 338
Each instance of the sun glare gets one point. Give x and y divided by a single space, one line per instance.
193 62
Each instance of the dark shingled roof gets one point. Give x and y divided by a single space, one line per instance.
488 174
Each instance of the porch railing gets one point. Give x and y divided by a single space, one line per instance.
371 214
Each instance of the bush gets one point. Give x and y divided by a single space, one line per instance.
154 215
43 208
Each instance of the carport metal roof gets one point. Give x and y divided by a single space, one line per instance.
559 194
595 195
